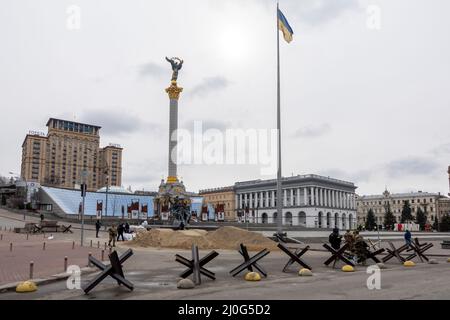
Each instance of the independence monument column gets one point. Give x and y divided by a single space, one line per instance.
174 94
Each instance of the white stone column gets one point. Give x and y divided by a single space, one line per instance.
250 200
305 196
298 197
272 200
327 197
333 203
267 199
256 200
312 196
284 198
321 196
292 197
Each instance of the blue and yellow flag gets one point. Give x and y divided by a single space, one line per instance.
284 26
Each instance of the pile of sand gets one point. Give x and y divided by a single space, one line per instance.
222 238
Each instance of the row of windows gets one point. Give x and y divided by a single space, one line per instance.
413 209
73 126
371 203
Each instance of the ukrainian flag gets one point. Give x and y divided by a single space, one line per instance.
284 26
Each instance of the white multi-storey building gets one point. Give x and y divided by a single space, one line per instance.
311 201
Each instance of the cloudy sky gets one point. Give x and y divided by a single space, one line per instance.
360 103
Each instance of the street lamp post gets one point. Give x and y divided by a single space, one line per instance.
107 189
20 178
84 175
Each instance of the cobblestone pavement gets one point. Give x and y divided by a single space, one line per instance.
15 264
155 273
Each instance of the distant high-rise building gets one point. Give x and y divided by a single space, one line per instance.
60 157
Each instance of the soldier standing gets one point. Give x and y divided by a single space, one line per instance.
112 235
361 248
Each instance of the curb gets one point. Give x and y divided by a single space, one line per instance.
54 278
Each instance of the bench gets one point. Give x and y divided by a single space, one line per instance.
445 244
49 226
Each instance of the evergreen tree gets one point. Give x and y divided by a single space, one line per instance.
444 226
389 218
436 223
421 218
406 212
370 220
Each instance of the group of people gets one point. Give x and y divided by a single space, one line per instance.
358 249
115 233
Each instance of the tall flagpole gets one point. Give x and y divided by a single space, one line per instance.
279 187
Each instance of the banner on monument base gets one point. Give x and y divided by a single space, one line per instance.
220 212
99 209
129 211
134 209
144 211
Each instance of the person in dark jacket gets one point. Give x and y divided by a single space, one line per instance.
98 225
120 230
335 239
127 228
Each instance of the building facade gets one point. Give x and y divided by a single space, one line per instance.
221 197
311 201
443 206
428 202
60 157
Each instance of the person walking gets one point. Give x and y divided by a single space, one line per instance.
112 231
408 237
127 228
98 225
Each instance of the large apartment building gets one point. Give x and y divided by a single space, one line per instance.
69 153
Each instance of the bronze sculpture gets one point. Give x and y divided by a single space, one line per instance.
177 64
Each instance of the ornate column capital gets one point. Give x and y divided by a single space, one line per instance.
174 91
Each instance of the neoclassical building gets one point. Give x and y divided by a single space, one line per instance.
431 203
310 200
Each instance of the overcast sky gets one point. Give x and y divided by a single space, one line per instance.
371 106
